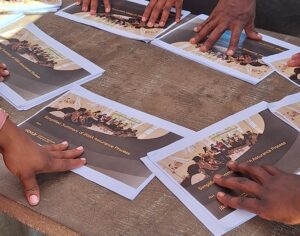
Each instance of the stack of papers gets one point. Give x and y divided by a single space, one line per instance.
6 19
267 133
40 67
29 6
247 64
113 135
124 19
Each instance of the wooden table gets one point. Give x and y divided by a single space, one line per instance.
151 80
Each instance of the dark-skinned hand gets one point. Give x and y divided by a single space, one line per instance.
93 5
155 8
233 15
271 193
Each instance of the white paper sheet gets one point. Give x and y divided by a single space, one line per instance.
216 59
94 21
82 98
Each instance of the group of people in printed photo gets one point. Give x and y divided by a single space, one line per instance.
213 158
87 118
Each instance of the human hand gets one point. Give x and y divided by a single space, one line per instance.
93 4
3 72
25 159
271 193
294 61
233 15
163 7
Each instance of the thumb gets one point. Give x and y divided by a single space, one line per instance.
31 189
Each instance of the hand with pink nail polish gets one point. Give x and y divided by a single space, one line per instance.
233 15
92 5
3 72
294 61
25 159
158 11
271 193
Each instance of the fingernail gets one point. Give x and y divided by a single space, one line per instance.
230 163
6 72
79 148
220 194
150 24
259 35
203 49
195 29
83 159
77 3
107 10
230 52
4 65
178 20
64 143
217 176
192 40
33 200
93 12
161 24
84 9
143 19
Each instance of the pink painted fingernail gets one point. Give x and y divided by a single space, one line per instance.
107 10
33 200
64 143
84 9
195 29
143 19
220 194
83 159
6 72
79 148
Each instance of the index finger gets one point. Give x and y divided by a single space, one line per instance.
148 10
94 7
155 12
249 204
62 165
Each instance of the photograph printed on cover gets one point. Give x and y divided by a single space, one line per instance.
246 60
125 16
288 109
113 141
35 67
279 63
262 138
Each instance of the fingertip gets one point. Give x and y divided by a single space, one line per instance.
230 52
79 148
217 177
107 10
178 20
230 163
203 48
84 8
144 19
162 24
196 29
150 24
1 79
83 160
6 72
220 195
65 143
193 40
33 200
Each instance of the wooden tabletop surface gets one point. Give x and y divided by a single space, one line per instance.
155 81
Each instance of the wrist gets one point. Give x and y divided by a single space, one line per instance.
8 133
